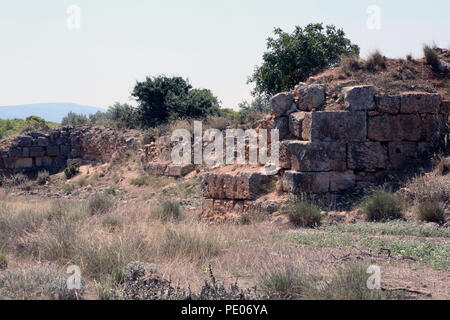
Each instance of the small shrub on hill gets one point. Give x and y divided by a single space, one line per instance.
99 204
72 170
431 57
431 211
169 210
382 206
42 177
375 61
18 179
303 213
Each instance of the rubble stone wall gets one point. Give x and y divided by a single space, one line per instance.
35 151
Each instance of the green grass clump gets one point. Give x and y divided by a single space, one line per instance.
284 283
42 177
99 204
382 206
168 211
431 57
348 283
430 252
303 213
142 180
395 227
111 191
72 170
190 244
18 179
431 211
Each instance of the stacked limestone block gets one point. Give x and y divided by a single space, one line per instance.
370 138
232 193
167 169
34 151
330 152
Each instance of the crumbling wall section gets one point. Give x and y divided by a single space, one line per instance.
51 150
370 138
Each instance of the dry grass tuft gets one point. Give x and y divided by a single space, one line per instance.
382 206
191 244
431 56
375 61
303 213
431 211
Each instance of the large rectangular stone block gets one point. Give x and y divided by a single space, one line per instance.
366 156
42 141
341 181
179 170
420 102
404 127
335 126
285 155
295 124
37 152
22 163
388 104
25 152
156 169
309 97
445 107
306 182
282 104
53 151
402 155
239 186
318 156
65 150
45 162
433 127
24 141
359 98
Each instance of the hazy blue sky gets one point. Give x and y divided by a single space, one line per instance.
216 44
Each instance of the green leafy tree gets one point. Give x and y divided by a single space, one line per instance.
198 104
122 115
292 58
36 122
162 99
156 97
75 119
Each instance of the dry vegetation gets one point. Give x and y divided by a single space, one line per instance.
137 236
390 76
107 228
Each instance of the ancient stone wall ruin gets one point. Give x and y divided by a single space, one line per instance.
51 150
329 150
368 139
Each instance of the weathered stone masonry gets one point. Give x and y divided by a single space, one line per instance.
34 151
328 152
371 138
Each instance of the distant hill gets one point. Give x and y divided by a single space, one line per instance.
49 111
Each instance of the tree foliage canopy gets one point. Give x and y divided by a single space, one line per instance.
292 58
162 99
12 126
